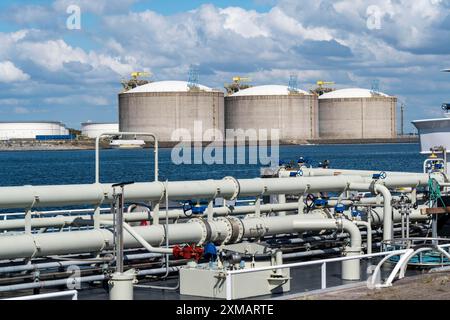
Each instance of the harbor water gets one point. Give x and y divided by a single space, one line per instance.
74 167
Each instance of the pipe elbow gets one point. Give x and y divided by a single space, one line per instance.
383 190
354 232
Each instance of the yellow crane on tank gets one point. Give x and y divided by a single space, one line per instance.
237 84
322 83
238 79
139 74
136 80
322 87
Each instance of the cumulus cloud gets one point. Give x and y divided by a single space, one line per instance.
21 110
10 73
83 98
97 6
28 15
314 39
55 54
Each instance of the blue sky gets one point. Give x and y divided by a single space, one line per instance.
48 72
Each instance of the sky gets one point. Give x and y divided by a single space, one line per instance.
56 64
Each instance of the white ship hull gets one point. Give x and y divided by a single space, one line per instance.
433 133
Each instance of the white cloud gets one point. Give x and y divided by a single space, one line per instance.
83 98
97 6
51 54
243 22
10 73
316 39
54 54
9 102
21 110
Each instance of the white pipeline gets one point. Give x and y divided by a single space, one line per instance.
140 239
197 231
350 268
228 188
387 204
368 226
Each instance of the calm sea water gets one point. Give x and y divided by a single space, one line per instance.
72 167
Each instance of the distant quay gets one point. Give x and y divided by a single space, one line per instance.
403 139
89 144
34 145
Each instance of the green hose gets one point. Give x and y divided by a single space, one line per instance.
434 189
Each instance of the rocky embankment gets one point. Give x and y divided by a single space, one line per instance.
46 146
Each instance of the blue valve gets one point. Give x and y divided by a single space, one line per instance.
194 209
339 208
198 209
356 213
298 173
210 252
378 176
320 203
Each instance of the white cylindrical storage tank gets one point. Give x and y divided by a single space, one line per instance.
93 129
63 130
31 129
268 107
357 114
171 109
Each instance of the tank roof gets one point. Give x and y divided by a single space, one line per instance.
267 90
31 122
90 123
166 86
351 93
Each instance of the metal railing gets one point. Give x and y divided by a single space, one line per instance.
70 212
323 270
73 294
53 213
121 134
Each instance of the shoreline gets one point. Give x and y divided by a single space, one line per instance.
90 144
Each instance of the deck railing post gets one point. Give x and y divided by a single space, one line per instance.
229 284
323 270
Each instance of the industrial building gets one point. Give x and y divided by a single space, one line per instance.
293 112
165 106
93 129
357 113
31 129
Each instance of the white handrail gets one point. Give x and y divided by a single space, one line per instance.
322 262
43 213
97 150
310 263
71 293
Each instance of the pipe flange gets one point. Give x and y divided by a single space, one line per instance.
206 230
237 189
340 224
351 251
37 246
237 229
229 229
373 184
164 190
